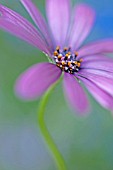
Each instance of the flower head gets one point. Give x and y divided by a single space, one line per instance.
62 40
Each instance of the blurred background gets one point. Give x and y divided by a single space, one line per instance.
86 143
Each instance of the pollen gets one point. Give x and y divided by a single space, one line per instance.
67 55
59 56
66 60
57 48
76 53
55 53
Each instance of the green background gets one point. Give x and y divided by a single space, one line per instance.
86 143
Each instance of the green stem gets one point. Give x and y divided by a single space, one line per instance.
49 140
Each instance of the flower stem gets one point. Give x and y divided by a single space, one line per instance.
48 139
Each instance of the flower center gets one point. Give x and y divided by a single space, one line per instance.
67 61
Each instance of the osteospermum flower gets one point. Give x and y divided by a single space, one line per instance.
61 40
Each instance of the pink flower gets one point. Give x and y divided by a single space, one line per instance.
86 64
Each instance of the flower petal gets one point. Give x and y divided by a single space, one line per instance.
103 64
105 83
83 22
58 13
96 72
95 57
75 94
105 46
17 25
105 99
36 80
38 19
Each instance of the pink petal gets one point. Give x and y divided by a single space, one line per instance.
96 72
36 80
58 13
75 94
105 83
95 57
103 64
17 25
105 46
105 99
82 25
38 19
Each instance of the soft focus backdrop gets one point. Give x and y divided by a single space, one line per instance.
86 143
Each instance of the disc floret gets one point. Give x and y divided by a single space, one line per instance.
66 60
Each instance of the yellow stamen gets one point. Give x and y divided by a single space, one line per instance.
58 65
59 56
65 48
76 53
75 62
67 55
55 53
58 48
81 60
63 63
69 63
78 64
